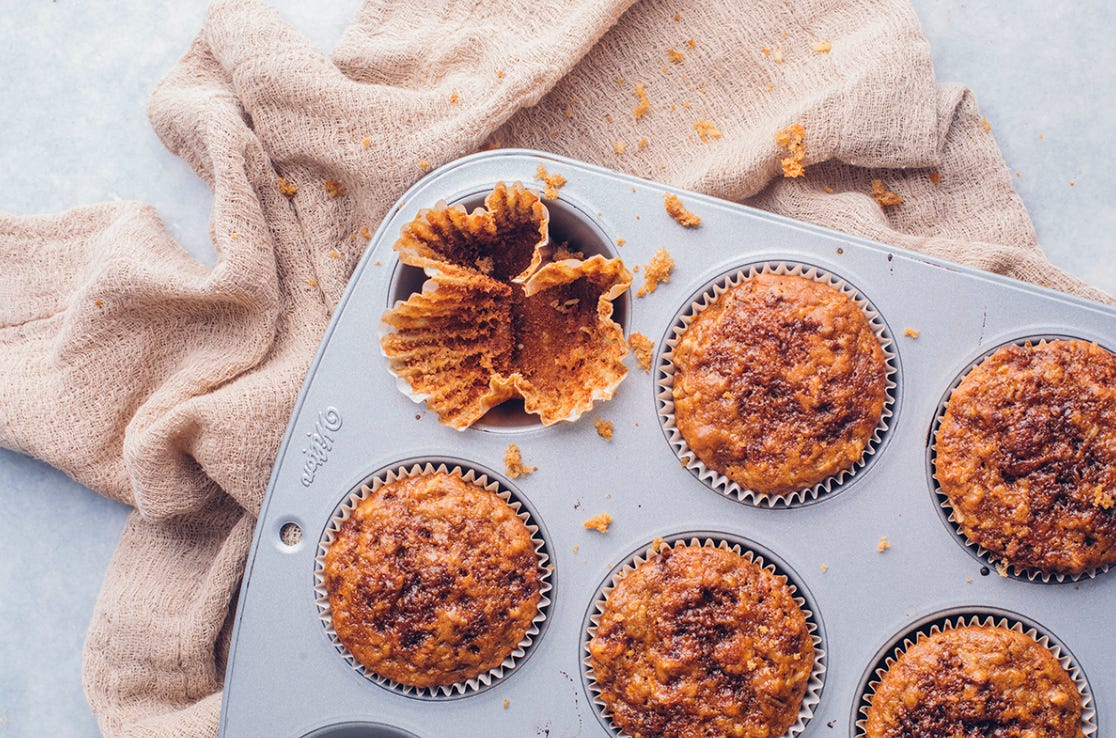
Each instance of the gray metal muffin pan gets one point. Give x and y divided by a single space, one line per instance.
285 678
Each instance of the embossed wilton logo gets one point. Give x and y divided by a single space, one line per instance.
321 443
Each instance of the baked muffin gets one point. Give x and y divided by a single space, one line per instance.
432 581
698 641
1026 454
779 384
975 681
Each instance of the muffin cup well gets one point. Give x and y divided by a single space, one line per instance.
939 622
719 482
482 480
750 552
945 508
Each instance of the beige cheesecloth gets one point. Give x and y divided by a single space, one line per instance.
167 384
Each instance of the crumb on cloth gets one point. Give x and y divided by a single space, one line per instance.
642 348
643 105
656 272
705 129
552 182
884 196
598 523
675 56
287 189
678 211
822 47
334 188
793 139
513 462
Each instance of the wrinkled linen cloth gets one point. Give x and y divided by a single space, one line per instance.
167 384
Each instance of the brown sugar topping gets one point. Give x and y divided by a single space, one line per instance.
513 463
678 211
642 348
506 319
975 681
1027 448
656 272
793 139
432 581
779 384
699 641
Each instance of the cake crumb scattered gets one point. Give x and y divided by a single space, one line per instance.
935 177
691 43
656 272
705 129
98 303
621 241
822 47
507 704
287 189
619 147
1002 568
775 54
793 139
641 144
642 348
1103 499
334 254
453 98
827 189
365 233
604 428
675 56
552 182
657 543
1040 136
968 580
986 124
824 568
424 165
366 142
377 262
311 281
677 17
911 332
513 462
883 545
598 523
643 105
499 74
334 188
884 196
678 211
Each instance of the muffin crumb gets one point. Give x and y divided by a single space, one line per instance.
598 523
678 211
334 188
675 56
935 178
643 105
911 333
884 196
705 129
986 124
656 272
513 462
552 182
604 428
507 703
883 545
287 189
619 147
365 233
793 139
424 165
642 348
824 568
334 254
822 47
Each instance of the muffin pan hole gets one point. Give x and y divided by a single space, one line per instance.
959 617
290 534
569 224
988 559
357 729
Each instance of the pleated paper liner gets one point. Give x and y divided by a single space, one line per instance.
717 481
751 552
485 480
961 617
945 509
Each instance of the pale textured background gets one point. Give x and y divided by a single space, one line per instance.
75 77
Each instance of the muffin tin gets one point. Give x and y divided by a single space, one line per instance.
286 677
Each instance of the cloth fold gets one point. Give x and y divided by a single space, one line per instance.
167 384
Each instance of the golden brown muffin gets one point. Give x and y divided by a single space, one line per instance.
432 581
975 682
779 384
698 641
1026 454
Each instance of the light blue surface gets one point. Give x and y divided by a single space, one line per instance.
75 78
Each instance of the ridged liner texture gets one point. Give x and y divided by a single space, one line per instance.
457 689
717 481
814 686
1002 566
940 624
461 384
